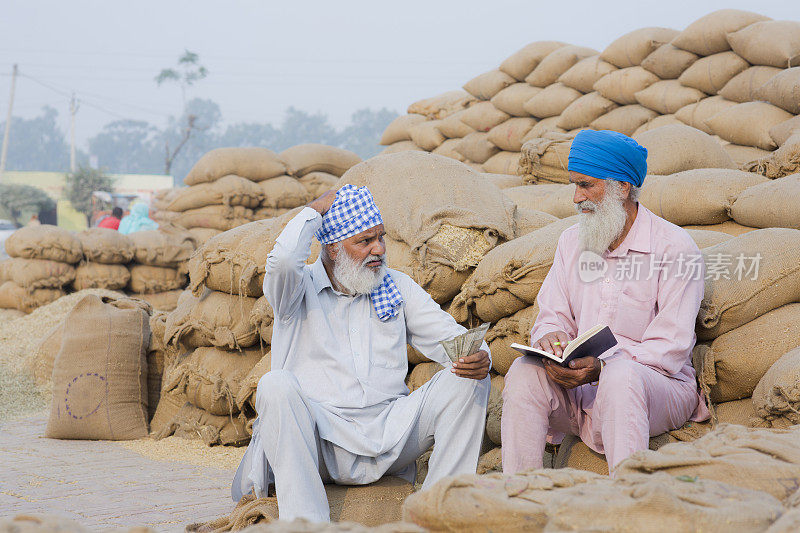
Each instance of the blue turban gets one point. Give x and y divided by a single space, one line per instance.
608 154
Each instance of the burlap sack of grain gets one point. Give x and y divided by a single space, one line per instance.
476 147
311 157
583 74
162 197
263 213
512 99
103 245
696 115
783 131
421 374
770 204
668 61
748 124
253 163
657 122
318 183
7 315
165 217
191 422
625 119
544 126
744 86
708 35
522 62
731 303
740 412
508 278
742 156
160 248
550 198
155 372
41 364
448 149
782 89
503 163
771 42
249 385
551 101
710 74
584 110
668 96
705 238
44 242
442 105
218 217
262 318
547 158
515 328
502 181
202 235
163 301
508 135
402 146
776 398
101 276
486 85
397 130
676 148
783 162
766 460
574 453
729 227
227 190
100 373
622 85
738 359
557 63
12 296
633 47
426 135
451 127
284 192
214 319
39 273
148 279
529 220
494 409
483 116
714 192
491 461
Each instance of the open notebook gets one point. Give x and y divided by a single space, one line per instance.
591 342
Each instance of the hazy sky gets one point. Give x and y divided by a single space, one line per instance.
333 56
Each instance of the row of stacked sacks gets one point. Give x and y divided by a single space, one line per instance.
229 187
729 74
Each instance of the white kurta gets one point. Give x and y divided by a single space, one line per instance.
350 365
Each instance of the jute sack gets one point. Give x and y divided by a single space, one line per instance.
766 460
145 278
401 146
547 158
736 361
414 356
622 85
748 124
442 105
557 63
785 161
551 198
491 461
101 276
544 126
708 35
710 74
625 119
675 148
509 276
485 86
219 217
311 157
397 130
44 242
740 412
483 116
284 192
512 99
501 181
7 315
163 301
452 127
214 319
776 398
713 191
155 371
728 227
657 122
253 163
41 364
668 61
515 328
522 62
529 220
494 409
668 96
770 204
730 303
583 74
191 422
742 156
100 373
744 86
227 190
169 405
476 147
705 238
262 318
584 110
318 183
202 235
574 453
633 47
448 149
770 42
162 197
249 385
508 135
269 212
421 374
552 101
39 273
696 115
12 296
503 163
426 135
782 90
108 246
162 248
783 131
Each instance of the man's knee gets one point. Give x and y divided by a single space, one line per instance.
620 380
276 387
522 377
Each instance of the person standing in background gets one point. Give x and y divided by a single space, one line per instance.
138 220
112 221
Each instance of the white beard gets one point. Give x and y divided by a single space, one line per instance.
605 222
355 277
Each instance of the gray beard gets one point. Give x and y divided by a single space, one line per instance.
604 224
357 278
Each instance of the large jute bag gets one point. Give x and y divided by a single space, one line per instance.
748 124
163 248
776 398
713 192
227 190
421 374
705 238
695 115
770 204
452 127
657 122
622 85
552 101
202 235
397 130
511 100
214 319
318 183
401 146
784 161
631 49
100 373
284 192
249 385
508 135
515 328
39 273
253 163
426 135
311 157
584 110
44 242
675 148
163 301
476 147
190 422
552 198
494 409
668 61
728 227
448 149
485 86
708 34
483 116
744 155
782 90
625 119
491 461
101 276
732 302
529 220
710 74
583 74
546 158
103 245
442 105
668 96
770 42
557 63
523 61
744 87
219 217
12 296
262 318
574 453
503 163
149 279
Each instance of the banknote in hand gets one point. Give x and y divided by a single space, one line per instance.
465 344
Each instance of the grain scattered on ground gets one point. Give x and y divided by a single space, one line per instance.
187 451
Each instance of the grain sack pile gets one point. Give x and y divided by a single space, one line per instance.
106 253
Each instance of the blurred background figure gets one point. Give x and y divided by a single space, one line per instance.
112 221
34 221
138 220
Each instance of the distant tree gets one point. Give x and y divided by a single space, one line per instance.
23 200
299 127
204 137
128 146
81 184
364 131
36 143
250 134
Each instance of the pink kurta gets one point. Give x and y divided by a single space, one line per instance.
649 294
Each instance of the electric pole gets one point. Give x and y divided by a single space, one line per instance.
4 152
73 108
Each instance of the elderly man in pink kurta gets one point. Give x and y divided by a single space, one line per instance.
624 267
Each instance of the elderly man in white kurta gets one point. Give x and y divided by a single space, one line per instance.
335 407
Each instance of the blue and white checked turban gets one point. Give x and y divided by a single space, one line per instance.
352 212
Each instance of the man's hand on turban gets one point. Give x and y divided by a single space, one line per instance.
323 203
475 366
580 371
